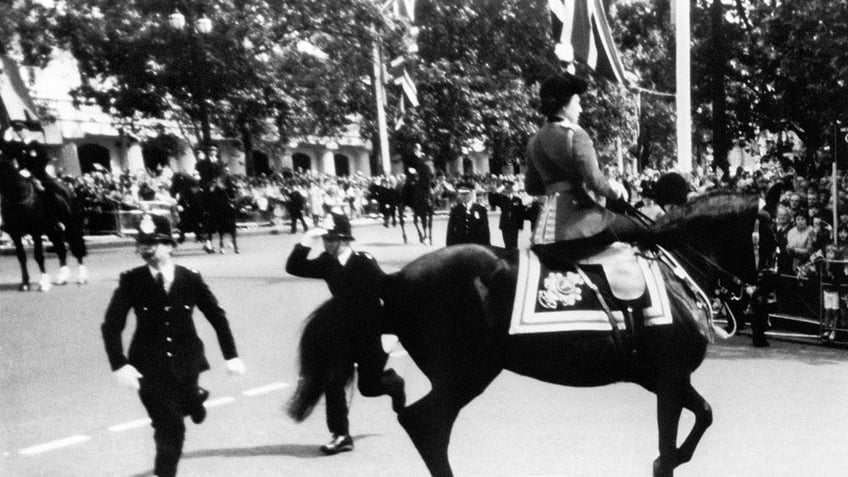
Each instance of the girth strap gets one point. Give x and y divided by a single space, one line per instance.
616 334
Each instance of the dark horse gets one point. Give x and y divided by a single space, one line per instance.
417 194
23 212
451 310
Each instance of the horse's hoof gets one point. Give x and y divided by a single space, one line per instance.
237 251
221 251
62 276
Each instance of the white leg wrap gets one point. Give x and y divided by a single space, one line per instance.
63 275
82 274
44 283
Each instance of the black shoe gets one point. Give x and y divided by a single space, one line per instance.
761 343
198 410
394 386
339 443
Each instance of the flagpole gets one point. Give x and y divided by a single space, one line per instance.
683 83
380 99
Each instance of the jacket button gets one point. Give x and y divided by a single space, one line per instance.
168 339
169 354
167 323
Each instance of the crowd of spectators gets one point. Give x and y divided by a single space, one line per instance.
263 198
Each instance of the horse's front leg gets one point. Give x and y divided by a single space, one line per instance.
703 419
235 242
44 283
403 228
58 241
669 407
20 251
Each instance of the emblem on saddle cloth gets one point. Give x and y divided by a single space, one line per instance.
550 300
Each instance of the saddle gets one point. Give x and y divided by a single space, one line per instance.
609 288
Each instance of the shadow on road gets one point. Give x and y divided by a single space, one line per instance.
811 354
303 451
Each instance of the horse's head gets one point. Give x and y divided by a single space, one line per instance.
721 234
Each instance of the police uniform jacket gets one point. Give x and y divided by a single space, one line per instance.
562 166
357 282
468 224
513 211
165 341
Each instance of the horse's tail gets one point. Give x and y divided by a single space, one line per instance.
324 350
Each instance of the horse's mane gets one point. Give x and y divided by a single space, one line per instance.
707 213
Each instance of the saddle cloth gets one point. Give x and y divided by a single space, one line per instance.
552 300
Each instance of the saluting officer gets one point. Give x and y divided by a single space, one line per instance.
513 213
354 278
166 355
468 221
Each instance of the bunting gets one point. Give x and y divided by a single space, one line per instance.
583 34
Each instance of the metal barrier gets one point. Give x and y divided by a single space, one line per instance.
103 221
815 306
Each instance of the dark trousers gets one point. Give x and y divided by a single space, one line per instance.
336 402
294 218
167 401
510 238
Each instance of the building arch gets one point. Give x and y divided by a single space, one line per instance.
93 157
342 164
261 163
155 156
301 162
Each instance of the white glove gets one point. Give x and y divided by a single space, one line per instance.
310 238
128 376
235 366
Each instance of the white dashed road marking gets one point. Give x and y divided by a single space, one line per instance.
265 389
125 426
136 423
57 444
219 401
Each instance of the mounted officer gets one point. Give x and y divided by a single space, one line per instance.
32 159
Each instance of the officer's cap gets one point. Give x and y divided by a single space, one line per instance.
154 229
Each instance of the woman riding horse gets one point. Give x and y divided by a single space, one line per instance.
562 167
451 309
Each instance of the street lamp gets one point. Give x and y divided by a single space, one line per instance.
202 25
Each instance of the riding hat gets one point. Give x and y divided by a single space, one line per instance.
154 229
671 188
556 91
340 230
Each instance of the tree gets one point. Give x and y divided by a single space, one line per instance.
251 72
25 27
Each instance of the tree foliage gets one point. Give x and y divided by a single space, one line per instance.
251 68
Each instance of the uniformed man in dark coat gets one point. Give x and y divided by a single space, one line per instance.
32 158
355 278
468 221
295 204
165 356
513 213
